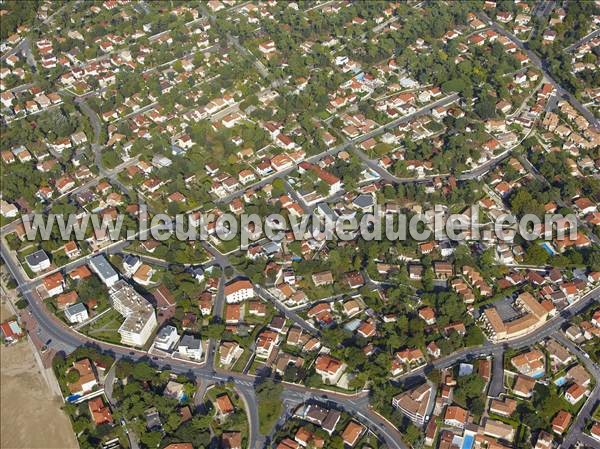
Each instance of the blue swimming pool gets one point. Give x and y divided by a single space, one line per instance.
560 381
548 248
73 398
538 375
468 441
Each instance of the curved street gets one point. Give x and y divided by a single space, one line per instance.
65 339
61 338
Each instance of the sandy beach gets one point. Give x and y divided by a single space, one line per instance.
30 416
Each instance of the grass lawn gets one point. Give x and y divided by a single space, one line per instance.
510 420
242 361
26 250
30 274
13 241
554 401
257 365
4 220
106 327
227 246
596 414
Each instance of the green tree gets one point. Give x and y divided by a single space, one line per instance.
536 255
151 439
73 376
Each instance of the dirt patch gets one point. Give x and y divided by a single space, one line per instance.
5 311
30 416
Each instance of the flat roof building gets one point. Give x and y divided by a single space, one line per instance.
166 338
140 319
190 347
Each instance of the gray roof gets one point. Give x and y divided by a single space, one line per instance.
130 260
271 247
190 342
75 308
37 258
332 419
153 419
102 267
197 271
363 201
325 210
166 331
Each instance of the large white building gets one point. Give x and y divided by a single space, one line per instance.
239 290
140 319
414 403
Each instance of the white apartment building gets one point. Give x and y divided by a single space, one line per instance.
140 319
414 403
239 290
38 261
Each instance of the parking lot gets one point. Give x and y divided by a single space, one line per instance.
506 310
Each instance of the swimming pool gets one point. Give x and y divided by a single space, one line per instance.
468 441
548 248
73 398
538 375
560 381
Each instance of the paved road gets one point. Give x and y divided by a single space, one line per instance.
17 48
109 382
290 314
21 88
497 382
464 176
59 10
234 40
346 145
218 310
583 40
110 174
97 147
384 174
297 197
69 340
535 59
248 396
544 8
223 261
551 327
